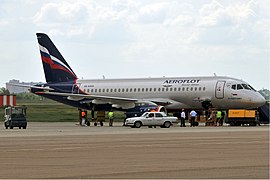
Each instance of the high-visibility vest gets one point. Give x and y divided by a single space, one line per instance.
218 114
110 114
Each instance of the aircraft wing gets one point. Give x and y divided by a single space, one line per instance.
161 101
118 102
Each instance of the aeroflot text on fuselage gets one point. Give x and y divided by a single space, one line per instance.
181 81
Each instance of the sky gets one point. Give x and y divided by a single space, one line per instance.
139 38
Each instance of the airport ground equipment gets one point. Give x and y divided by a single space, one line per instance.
212 119
238 117
15 117
264 113
151 119
100 118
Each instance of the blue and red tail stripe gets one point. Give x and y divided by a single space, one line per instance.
55 66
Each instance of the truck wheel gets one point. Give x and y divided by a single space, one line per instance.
24 127
20 127
252 124
101 123
138 124
167 124
95 124
11 127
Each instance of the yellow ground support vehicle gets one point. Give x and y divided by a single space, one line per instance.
238 117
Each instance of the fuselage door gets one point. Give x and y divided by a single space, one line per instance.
76 88
220 89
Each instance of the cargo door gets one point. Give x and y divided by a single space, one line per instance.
220 89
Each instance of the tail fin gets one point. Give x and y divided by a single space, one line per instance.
55 67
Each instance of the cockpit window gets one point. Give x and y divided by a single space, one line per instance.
239 86
251 87
242 86
246 86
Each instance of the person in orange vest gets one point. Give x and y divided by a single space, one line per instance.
83 114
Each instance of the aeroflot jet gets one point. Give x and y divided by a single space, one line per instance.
161 94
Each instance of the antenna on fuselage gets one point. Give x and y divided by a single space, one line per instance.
215 74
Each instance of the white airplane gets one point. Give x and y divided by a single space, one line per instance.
140 94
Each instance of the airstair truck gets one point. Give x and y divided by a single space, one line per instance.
238 117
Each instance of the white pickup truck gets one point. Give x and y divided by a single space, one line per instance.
151 119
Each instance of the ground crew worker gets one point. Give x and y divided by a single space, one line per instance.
193 115
183 118
223 114
83 114
218 116
110 115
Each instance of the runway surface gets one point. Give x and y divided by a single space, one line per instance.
64 150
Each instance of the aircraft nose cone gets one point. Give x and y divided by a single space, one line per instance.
260 101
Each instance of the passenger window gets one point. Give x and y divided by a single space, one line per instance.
175 89
159 89
204 88
139 89
103 90
200 88
179 89
151 115
195 89
239 86
183 89
127 90
191 89
187 89
134 89
155 89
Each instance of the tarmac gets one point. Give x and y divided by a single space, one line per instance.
69 151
